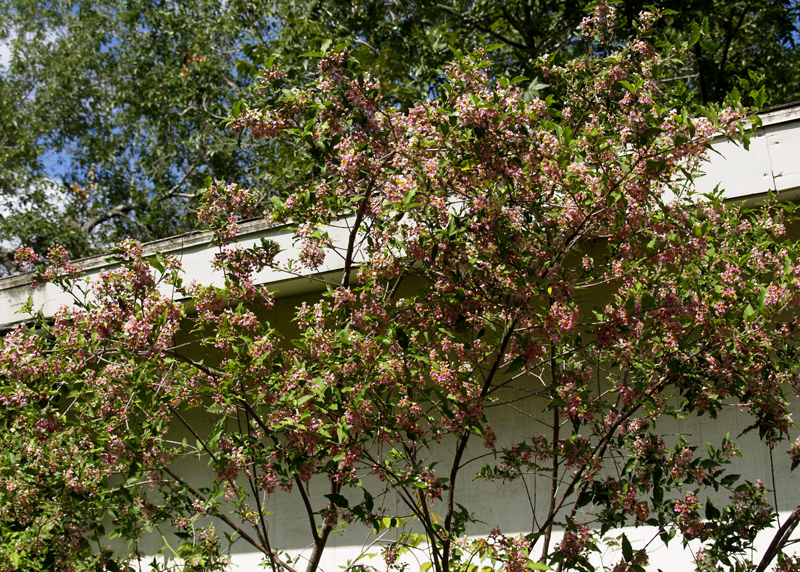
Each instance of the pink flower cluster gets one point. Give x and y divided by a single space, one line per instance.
575 544
224 205
512 551
688 517
58 268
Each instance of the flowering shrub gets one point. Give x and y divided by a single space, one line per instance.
473 224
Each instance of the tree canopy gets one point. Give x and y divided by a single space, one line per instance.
113 117
112 110
466 228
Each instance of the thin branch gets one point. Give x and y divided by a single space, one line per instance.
224 518
262 534
309 508
599 450
194 433
552 509
177 186
351 240
328 525
114 212
780 539
462 445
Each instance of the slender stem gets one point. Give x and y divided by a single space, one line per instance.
780 539
393 290
600 447
256 417
214 457
224 518
256 494
774 487
328 524
193 432
180 357
551 511
462 445
402 493
351 240
437 564
309 509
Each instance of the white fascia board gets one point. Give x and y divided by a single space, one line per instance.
772 164
196 255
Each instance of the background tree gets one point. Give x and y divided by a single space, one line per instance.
113 117
409 41
471 224
113 109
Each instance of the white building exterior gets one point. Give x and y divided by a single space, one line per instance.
771 165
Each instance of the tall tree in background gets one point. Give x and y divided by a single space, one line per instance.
413 36
112 116
112 109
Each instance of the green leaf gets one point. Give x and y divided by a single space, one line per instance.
696 33
338 500
712 512
236 110
729 480
402 338
627 549
658 494
515 365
